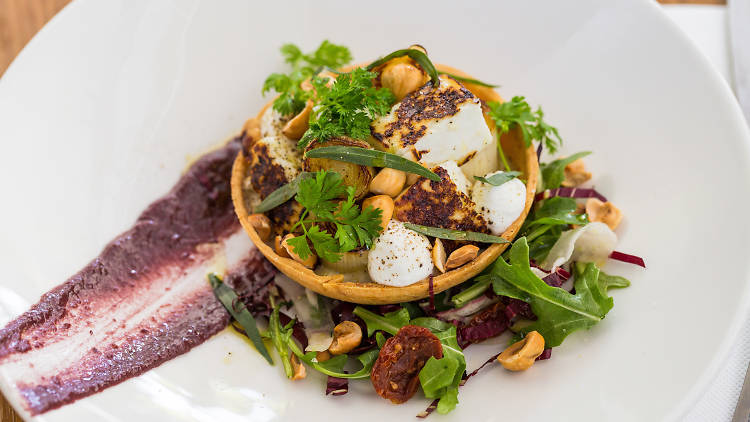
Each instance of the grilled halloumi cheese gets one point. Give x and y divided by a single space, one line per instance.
272 122
432 126
445 204
273 162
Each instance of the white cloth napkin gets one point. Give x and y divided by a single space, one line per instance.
706 26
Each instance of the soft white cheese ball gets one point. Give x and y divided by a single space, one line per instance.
499 205
400 256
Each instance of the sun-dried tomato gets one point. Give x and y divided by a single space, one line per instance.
395 374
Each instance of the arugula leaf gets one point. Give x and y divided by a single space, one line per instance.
353 228
228 297
379 339
558 211
436 375
347 107
433 324
553 173
517 113
607 281
540 246
448 401
334 366
292 97
390 322
451 352
559 312
499 178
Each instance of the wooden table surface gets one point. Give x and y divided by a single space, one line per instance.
21 19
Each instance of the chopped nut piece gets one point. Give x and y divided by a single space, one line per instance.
298 125
604 212
278 248
299 371
261 224
461 256
346 336
309 262
385 203
388 182
520 355
575 174
438 255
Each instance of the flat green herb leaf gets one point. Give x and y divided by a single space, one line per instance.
318 195
347 107
436 375
499 178
390 322
239 312
282 194
517 113
558 211
553 173
559 312
455 234
371 157
470 81
421 58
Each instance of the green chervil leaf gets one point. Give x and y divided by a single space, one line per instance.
292 98
517 112
347 107
559 312
553 173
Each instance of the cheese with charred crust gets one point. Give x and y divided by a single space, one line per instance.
434 125
445 204
273 162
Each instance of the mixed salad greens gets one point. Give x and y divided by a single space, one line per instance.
547 282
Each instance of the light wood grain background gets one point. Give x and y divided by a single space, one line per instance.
21 19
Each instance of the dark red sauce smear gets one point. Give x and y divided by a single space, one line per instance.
165 239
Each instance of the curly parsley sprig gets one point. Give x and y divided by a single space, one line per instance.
353 227
292 97
346 107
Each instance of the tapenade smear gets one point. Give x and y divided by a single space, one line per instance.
395 374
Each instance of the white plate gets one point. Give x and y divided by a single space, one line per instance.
101 110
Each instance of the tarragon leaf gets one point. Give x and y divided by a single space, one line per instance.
228 297
499 178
